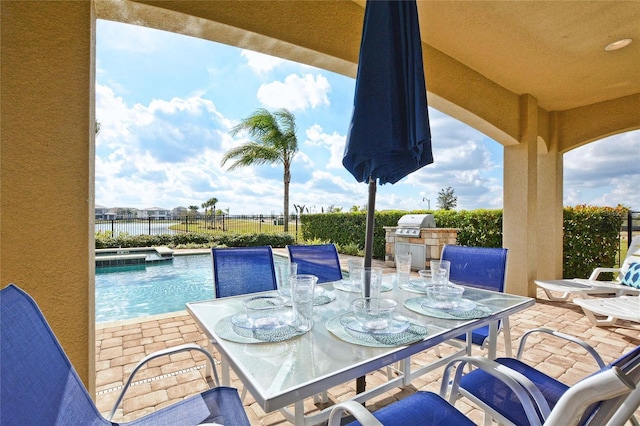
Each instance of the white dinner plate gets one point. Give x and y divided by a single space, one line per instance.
345 285
263 322
463 305
397 325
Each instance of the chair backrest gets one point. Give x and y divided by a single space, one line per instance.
480 267
243 270
320 260
38 385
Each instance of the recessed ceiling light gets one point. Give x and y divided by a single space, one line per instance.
618 44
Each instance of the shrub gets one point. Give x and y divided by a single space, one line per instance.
105 239
249 240
479 228
346 229
350 249
591 239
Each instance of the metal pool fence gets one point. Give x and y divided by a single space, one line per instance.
633 218
242 224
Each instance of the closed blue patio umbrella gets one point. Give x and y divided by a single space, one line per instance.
389 136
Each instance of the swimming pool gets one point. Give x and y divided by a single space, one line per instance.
127 292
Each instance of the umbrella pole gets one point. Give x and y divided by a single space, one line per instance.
368 241
368 256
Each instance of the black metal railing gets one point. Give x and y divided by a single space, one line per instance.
631 225
242 224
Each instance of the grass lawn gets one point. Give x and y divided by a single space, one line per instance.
238 226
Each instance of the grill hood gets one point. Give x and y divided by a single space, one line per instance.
417 221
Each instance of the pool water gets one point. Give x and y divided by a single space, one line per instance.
127 292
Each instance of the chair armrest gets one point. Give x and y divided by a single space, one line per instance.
596 356
596 272
354 408
158 354
599 387
531 398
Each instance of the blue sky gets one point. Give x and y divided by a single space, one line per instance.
166 103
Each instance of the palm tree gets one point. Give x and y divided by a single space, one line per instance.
210 203
273 141
205 206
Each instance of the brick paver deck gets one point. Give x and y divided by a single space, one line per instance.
119 346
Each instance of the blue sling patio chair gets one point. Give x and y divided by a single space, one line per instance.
484 268
320 260
592 401
243 270
39 386
500 402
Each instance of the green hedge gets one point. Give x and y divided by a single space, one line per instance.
192 240
476 228
349 228
591 234
591 239
479 228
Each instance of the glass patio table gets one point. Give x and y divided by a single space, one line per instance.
282 374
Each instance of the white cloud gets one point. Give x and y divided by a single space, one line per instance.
605 172
164 154
323 189
333 142
261 63
113 115
296 93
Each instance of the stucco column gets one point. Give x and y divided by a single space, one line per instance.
550 214
47 152
520 202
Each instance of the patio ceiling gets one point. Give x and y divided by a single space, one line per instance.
495 50
552 50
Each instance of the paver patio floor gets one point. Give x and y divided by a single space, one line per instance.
119 346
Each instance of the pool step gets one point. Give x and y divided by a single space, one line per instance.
132 256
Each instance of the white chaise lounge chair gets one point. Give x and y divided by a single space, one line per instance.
586 288
613 309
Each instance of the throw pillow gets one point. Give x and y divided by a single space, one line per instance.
632 276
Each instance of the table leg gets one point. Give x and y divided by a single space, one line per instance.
224 366
493 340
299 413
405 370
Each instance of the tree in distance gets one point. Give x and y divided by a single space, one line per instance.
447 199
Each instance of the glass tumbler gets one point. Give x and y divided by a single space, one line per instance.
440 271
284 272
374 277
302 294
403 268
355 274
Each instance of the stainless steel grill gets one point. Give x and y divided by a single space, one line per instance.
409 225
